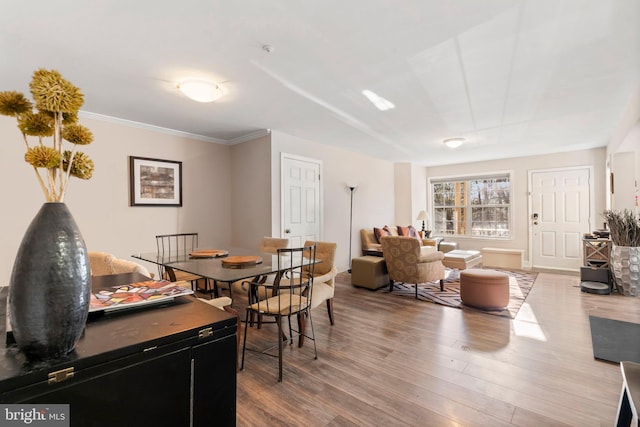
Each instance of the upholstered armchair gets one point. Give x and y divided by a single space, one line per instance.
409 262
324 276
103 263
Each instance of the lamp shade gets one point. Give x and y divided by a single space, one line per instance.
422 216
200 90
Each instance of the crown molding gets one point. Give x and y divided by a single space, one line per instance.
131 123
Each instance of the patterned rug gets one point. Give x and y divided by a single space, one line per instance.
520 284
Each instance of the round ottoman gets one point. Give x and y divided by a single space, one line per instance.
486 289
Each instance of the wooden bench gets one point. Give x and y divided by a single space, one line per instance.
502 258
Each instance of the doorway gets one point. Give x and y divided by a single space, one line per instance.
560 213
301 190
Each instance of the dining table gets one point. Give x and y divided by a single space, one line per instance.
214 268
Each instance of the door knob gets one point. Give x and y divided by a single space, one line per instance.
287 231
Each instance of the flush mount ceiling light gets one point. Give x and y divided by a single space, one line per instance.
200 90
454 142
381 103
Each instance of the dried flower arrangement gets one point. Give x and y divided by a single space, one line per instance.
624 227
56 103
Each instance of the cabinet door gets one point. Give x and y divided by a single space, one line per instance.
150 392
214 382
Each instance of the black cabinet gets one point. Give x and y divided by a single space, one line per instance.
171 365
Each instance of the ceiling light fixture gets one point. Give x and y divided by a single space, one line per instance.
380 103
200 90
454 142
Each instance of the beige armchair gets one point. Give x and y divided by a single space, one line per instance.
409 262
104 263
269 245
324 276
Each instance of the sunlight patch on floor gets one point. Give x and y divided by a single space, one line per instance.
526 325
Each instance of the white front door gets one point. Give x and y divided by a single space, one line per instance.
560 215
301 219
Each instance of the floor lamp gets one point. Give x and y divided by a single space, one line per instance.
351 189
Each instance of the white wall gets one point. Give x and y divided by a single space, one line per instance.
521 167
100 205
624 172
373 201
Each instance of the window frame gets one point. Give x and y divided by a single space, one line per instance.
468 206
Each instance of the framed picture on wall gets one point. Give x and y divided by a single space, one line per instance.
155 182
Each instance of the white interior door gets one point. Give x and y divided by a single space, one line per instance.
560 214
301 219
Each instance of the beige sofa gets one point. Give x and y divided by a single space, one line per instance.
371 246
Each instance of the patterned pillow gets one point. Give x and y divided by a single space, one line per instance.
413 232
379 232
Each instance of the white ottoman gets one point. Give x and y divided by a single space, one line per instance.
462 260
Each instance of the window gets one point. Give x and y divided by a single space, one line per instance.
474 207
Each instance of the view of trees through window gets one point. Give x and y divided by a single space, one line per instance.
477 207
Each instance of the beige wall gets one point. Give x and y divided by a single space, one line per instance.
101 205
520 204
232 193
373 201
251 192
403 190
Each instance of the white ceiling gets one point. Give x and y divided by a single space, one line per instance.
514 77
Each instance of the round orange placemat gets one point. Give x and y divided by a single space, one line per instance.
208 253
241 261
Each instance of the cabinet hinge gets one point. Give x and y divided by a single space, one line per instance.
61 375
205 333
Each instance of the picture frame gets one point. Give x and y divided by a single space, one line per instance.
155 182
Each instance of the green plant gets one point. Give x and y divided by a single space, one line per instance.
624 227
53 113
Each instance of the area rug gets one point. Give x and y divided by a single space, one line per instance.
615 340
520 284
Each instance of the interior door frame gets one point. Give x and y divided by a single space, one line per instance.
592 204
284 156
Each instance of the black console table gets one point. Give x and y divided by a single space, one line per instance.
167 365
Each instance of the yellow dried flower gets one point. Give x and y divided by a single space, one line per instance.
51 92
82 166
41 156
52 113
14 103
67 118
38 124
77 134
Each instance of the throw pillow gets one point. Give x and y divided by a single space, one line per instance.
409 231
379 232
413 232
403 231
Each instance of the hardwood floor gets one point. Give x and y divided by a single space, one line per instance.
394 361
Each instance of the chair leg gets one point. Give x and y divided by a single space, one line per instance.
330 310
441 285
416 291
280 332
244 342
390 285
301 326
313 334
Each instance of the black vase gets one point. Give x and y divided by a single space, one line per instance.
50 285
